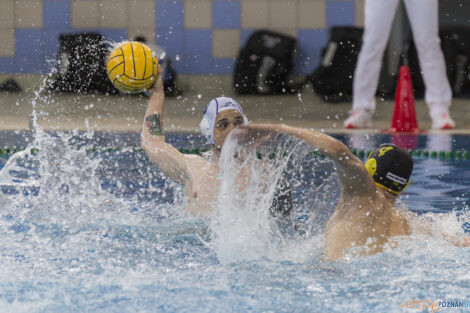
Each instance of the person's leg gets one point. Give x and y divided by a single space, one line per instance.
424 20
377 25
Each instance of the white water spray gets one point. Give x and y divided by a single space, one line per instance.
242 224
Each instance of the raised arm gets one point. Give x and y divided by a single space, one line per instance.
168 159
350 170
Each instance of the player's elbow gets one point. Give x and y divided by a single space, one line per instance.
151 145
145 141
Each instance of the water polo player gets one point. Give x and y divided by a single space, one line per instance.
198 175
365 218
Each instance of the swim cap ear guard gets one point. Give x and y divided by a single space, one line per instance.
390 167
206 130
213 108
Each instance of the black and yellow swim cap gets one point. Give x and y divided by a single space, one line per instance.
390 167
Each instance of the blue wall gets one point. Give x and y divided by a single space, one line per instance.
36 48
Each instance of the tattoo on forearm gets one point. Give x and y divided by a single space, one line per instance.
154 125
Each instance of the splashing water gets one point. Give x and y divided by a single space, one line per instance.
108 233
83 248
61 176
242 224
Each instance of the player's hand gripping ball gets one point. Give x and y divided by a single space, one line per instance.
132 67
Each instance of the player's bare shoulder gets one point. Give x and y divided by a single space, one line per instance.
200 167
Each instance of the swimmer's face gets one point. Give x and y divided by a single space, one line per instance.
225 122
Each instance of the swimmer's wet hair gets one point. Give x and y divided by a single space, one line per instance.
390 167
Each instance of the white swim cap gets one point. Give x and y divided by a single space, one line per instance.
214 107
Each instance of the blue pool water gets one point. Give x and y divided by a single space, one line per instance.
89 231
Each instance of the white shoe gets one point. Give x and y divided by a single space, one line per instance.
359 118
442 121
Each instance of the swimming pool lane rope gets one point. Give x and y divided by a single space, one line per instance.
443 155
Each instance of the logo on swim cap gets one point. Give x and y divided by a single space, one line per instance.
211 111
382 151
397 179
390 167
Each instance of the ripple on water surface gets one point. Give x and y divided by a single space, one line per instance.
108 233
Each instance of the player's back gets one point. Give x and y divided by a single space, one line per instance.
362 225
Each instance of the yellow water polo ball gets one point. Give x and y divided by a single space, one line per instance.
132 67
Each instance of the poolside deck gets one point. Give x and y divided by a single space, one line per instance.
183 114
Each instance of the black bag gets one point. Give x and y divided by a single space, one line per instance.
169 73
82 65
169 79
333 78
264 64
10 85
455 43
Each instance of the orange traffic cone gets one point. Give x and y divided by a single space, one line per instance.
404 114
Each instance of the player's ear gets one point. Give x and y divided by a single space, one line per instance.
371 166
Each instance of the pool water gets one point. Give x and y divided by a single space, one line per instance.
107 232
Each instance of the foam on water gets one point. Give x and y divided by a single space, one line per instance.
73 240
67 242
243 228
81 248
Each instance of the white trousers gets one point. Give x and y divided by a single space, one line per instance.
423 15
